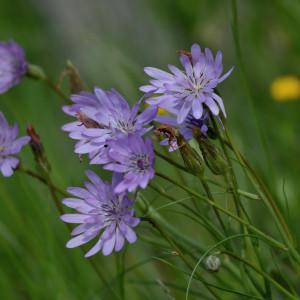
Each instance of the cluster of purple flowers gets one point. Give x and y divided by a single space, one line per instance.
113 135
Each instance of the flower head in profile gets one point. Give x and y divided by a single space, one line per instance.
191 90
102 213
13 65
10 145
102 117
134 157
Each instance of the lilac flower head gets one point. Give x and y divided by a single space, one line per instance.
103 117
100 212
191 90
134 157
9 146
13 65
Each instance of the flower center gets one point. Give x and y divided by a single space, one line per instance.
125 126
113 211
140 163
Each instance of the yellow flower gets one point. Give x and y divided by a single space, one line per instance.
160 111
285 88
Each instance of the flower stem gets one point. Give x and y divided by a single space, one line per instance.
225 211
57 90
53 190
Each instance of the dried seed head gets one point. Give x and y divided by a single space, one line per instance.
77 85
212 263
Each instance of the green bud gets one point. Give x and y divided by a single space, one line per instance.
36 72
212 155
192 160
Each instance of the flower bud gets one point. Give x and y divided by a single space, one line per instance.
212 155
193 162
212 263
36 72
38 149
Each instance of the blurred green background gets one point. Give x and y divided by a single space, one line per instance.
110 41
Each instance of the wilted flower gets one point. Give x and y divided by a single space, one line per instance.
134 157
100 212
103 117
9 146
13 65
191 90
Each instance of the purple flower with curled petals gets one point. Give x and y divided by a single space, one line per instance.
10 145
185 129
100 212
134 157
191 90
13 65
102 117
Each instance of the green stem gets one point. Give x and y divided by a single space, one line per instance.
53 189
57 90
266 197
179 166
263 274
225 211
211 198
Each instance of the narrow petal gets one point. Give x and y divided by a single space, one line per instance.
197 109
184 111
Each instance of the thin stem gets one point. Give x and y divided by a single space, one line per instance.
53 189
225 211
180 253
211 198
179 166
57 90
43 180
263 274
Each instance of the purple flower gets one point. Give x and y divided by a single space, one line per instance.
9 146
134 157
186 128
103 117
191 90
100 212
13 65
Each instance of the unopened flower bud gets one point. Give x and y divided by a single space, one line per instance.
38 149
193 162
36 72
212 263
212 155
